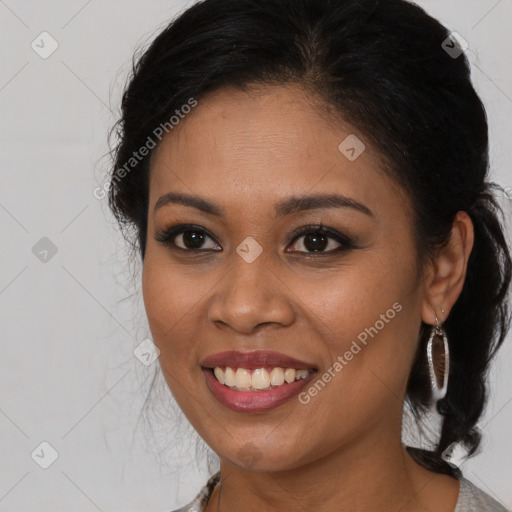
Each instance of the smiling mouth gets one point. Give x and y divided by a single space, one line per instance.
255 381
258 379
243 397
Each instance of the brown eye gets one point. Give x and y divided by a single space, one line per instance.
191 239
314 242
319 239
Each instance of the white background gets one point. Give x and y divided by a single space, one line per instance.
67 372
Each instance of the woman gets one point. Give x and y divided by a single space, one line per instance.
306 181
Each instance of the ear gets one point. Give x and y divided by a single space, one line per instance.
445 276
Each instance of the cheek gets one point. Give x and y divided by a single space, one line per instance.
348 302
169 300
369 317
158 298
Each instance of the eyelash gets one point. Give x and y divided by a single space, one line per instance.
167 236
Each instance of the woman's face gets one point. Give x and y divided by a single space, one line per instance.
346 304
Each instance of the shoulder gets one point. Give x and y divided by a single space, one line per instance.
473 498
198 504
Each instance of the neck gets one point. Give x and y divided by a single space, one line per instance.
375 474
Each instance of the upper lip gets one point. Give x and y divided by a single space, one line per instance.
255 359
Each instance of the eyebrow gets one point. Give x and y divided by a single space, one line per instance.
284 207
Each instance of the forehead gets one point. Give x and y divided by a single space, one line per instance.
264 143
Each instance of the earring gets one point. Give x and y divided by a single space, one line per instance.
438 356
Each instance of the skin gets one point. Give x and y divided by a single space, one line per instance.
245 151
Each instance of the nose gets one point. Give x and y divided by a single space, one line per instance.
250 296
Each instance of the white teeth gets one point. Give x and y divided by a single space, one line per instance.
243 378
229 377
219 374
260 379
289 375
301 374
277 376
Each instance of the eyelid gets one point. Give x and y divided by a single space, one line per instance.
167 235
320 228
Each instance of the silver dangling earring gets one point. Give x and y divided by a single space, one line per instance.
438 343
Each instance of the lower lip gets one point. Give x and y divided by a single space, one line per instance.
254 401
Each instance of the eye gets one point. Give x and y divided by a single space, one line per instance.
317 239
320 239
187 237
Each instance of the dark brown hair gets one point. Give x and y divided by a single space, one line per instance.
383 66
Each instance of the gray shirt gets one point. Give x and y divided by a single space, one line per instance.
471 498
